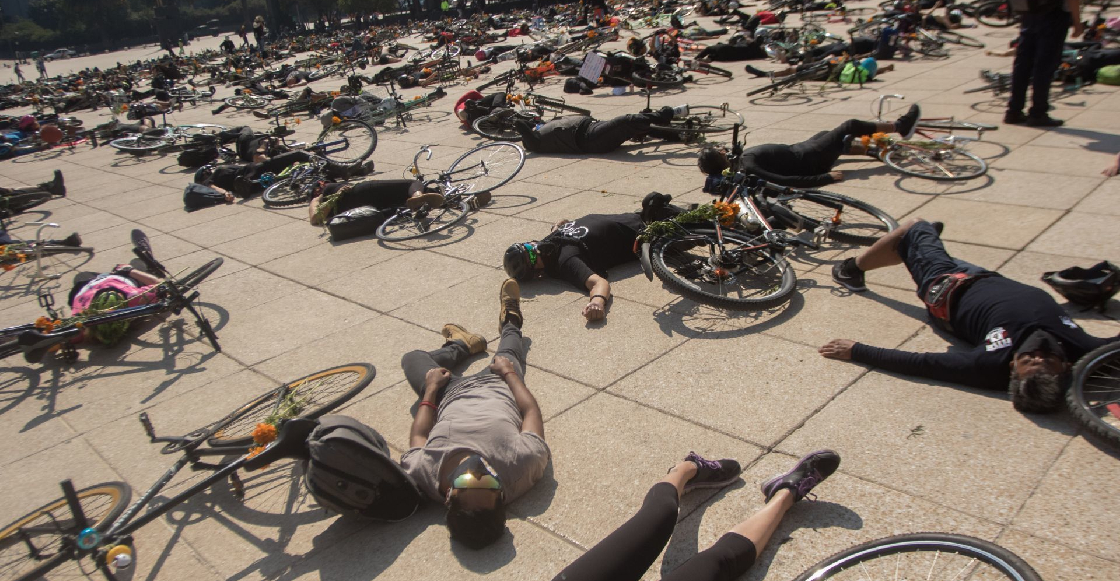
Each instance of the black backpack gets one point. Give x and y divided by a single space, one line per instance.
351 473
360 221
198 156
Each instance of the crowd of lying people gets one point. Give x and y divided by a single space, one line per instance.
477 442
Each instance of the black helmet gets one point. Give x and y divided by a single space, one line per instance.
519 260
1091 287
405 81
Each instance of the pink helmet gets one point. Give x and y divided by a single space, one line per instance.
27 122
481 55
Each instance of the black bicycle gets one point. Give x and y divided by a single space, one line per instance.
55 332
1094 395
96 523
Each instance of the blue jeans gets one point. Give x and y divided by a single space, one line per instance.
1041 38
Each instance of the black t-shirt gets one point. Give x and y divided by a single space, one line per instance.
590 245
995 315
780 164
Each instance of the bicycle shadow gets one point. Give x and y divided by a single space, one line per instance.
452 235
692 319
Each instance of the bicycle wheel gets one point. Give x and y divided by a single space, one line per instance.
21 201
307 397
658 78
774 87
958 38
409 224
929 46
486 167
853 221
286 192
323 72
201 130
927 556
745 277
141 144
936 164
497 127
50 529
996 14
705 119
1094 396
954 124
347 143
247 102
193 278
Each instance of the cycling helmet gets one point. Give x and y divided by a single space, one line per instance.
1091 287
108 333
405 81
520 259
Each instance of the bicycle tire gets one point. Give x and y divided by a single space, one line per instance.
323 72
203 131
140 144
958 38
774 87
487 167
945 546
406 225
1097 409
195 277
930 46
359 137
330 389
658 79
496 127
206 328
910 163
286 192
773 283
867 226
21 201
996 14
102 504
954 124
705 119
247 102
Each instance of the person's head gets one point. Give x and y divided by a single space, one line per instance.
476 513
521 259
1038 374
28 123
108 333
713 160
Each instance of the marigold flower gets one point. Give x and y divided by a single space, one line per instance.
264 433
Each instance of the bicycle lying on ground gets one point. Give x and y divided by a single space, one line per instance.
15 253
1094 395
499 124
55 332
167 139
465 185
295 185
936 158
731 254
97 523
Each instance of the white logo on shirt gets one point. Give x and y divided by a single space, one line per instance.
996 339
570 230
1068 322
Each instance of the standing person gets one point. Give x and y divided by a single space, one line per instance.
19 73
1042 36
476 442
244 34
258 31
41 65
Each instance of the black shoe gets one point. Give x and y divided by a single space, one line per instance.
72 240
1044 121
849 276
757 72
908 122
809 472
219 109
56 187
1014 118
938 227
712 473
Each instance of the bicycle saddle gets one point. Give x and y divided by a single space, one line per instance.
290 443
37 343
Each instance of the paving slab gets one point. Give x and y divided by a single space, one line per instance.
1082 235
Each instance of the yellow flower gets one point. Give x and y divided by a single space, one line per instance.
726 213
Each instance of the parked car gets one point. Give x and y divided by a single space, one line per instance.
62 53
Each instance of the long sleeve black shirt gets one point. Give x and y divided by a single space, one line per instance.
782 165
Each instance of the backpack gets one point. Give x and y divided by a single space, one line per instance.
1109 75
360 221
198 156
1034 6
351 473
198 196
851 74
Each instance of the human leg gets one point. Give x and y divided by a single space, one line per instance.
607 136
381 194
417 364
820 152
1023 67
1048 55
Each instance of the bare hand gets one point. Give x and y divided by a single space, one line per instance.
837 175
436 379
1112 170
501 366
594 310
837 349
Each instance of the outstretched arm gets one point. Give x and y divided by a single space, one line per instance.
976 367
531 418
426 414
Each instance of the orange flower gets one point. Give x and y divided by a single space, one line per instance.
726 213
46 325
264 433
335 120
254 452
335 93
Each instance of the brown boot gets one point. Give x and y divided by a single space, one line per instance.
432 200
475 343
510 298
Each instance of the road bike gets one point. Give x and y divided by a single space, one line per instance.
698 120
499 124
1094 394
466 185
295 185
937 158
168 138
13 254
343 141
55 333
96 524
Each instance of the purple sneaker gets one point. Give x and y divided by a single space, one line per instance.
712 473
809 472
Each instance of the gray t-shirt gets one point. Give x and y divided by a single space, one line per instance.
478 413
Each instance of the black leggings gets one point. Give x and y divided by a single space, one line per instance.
628 552
820 152
381 194
729 52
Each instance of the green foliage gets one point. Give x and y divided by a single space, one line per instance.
27 32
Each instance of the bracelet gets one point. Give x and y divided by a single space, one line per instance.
429 404
604 297
506 374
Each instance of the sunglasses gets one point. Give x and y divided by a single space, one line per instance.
532 250
475 473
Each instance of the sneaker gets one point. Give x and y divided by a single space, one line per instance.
757 72
938 227
712 473
72 240
432 200
1043 121
908 122
809 472
256 113
1014 118
849 276
510 298
475 343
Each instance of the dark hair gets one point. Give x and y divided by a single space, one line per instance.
1038 393
476 528
712 161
